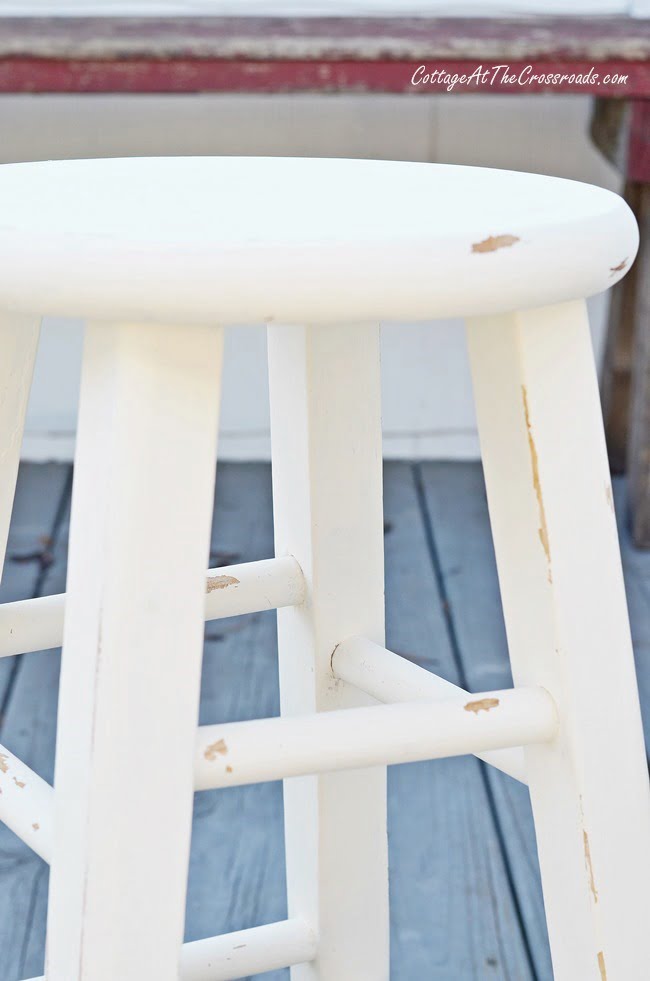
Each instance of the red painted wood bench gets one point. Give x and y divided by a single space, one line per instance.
352 54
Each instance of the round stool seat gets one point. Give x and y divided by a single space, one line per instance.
246 239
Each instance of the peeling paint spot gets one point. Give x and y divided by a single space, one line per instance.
4 767
220 582
19 783
590 870
601 965
609 497
481 705
543 532
494 242
215 749
36 827
619 268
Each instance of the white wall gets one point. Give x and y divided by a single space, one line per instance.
427 399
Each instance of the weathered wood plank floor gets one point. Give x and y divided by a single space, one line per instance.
465 895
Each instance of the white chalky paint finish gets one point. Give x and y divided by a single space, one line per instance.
241 240
141 512
271 749
250 587
559 566
327 502
388 677
26 804
185 241
244 952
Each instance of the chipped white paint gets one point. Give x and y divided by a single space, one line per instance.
564 603
445 241
430 417
327 503
26 804
284 215
37 624
18 343
390 678
347 739
141 512
269 584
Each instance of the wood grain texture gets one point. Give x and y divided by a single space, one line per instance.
453 912
456 508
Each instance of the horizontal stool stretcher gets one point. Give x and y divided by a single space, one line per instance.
424 726
245 952
250 587
273 749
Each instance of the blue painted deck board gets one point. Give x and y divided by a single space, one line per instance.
465 896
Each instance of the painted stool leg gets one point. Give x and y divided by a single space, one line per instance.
327 498
128 706
18 344
554 530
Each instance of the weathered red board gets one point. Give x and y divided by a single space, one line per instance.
275 54
213 75
335 54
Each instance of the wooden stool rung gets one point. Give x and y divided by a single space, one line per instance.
272 749
26 804
390 678
245 952
269 584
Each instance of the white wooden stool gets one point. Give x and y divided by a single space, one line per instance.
155 254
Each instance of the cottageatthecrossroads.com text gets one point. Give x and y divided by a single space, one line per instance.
500 75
